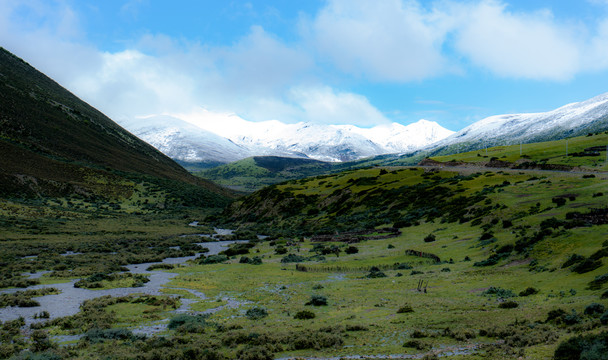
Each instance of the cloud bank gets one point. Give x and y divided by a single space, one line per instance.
262 76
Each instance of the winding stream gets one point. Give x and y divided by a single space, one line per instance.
68 301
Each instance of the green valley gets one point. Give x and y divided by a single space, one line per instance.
488 254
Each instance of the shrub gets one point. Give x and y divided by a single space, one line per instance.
417 334
416 272
556 315
405 309
304 315
508 305
416 344
160 267
573 259
604 295
189 323
356 327
597 283
256 260
529 291
559 201
95 336
604 318
594 309
587 265
280 250
446 269
572 319
499 292
430 238
351 250
404 266
317 300
213 259
255 353
374 273
590 346
256 313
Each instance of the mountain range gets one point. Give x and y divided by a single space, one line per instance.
207 143
575 119
201 142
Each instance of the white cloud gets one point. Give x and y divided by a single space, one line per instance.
262 77
391 40
520 45
325 105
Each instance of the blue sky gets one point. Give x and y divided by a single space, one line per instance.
358 62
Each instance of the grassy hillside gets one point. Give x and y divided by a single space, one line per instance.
256 172
485 232
583 152
53 144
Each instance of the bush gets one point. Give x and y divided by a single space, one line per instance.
403 266
529 291
405 309
604 295
508 305
416 344
304 315
160 267
255 353
594 309
374 273
356 327
256 313
590 346
499 292
417 334
597 283
213 259
317 300
351 250
256 260
587 265
559 201
95 336
430 238
573 259
189 323
604 318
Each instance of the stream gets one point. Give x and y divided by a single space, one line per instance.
69 300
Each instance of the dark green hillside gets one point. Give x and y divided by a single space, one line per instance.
256 172
54 144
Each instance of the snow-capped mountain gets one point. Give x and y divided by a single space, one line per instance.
320 142
569 120
185 142
224 138
397 138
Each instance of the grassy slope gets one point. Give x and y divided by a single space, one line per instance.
551 153
365 198
256 172
55 144
417 200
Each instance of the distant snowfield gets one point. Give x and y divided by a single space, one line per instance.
204 136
